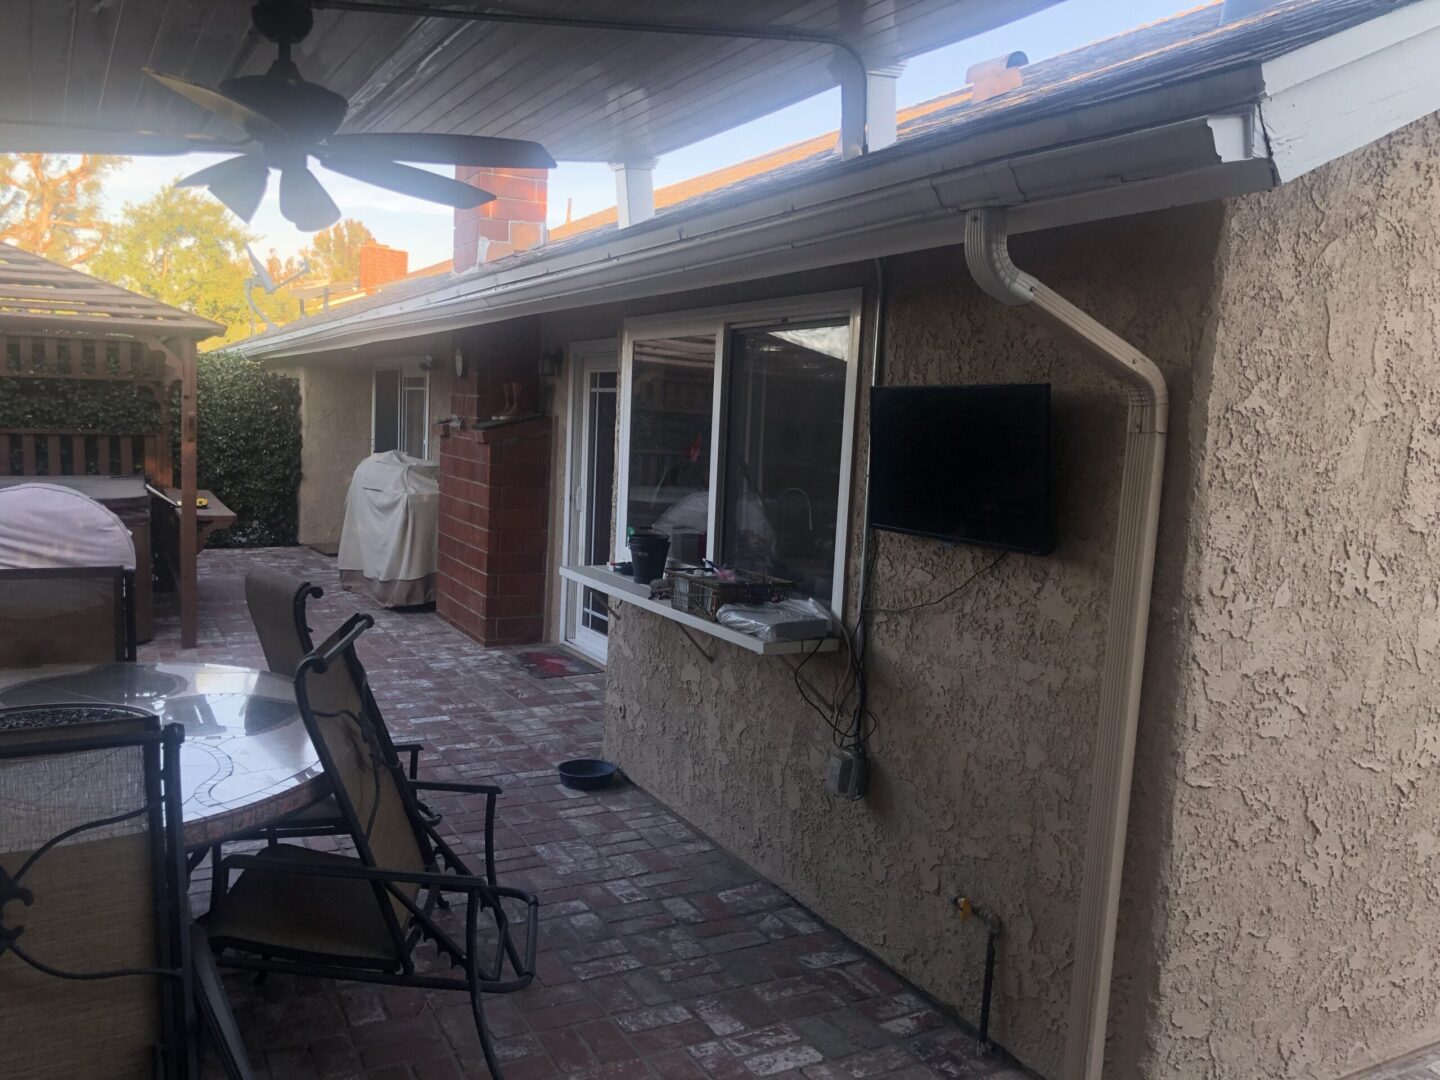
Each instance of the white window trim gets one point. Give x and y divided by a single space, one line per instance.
412 367
578 355
720 321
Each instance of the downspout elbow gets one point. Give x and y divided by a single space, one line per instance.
987 254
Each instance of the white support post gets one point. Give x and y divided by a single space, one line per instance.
867 120
634 191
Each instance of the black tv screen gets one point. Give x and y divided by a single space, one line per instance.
969 464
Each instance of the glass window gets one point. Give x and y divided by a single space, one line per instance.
772 385
781 462
671 405
387 411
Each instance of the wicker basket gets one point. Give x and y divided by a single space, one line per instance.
702 593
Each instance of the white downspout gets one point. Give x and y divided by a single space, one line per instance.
988 256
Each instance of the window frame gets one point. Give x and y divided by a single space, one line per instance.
411 367
847 305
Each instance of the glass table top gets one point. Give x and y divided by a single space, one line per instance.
246 759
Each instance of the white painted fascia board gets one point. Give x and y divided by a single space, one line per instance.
1193 160
1338 94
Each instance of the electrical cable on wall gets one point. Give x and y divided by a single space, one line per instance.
848 715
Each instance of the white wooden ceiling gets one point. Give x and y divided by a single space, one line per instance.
588 95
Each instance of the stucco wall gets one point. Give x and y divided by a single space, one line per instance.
335 437
1301 926
985 706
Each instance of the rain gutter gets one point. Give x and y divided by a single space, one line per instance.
988 257
899 202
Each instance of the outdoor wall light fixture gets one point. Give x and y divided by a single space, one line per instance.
459 363
550 363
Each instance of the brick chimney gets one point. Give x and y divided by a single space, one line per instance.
380 265
513 221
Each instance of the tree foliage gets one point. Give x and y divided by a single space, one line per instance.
334 253
50 205
183 248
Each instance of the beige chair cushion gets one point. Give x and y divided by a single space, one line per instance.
271 910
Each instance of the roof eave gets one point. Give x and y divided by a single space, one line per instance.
1243 130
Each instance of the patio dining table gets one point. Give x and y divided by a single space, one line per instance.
246 760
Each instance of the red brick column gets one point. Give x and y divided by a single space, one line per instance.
494 486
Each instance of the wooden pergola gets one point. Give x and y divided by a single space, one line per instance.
57 323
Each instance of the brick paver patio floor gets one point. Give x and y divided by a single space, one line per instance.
660 955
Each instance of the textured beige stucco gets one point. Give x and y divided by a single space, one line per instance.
335 437
1301 929
986 704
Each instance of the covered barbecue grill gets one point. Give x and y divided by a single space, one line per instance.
388 542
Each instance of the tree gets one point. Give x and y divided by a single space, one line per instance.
334 253
182 248
50 204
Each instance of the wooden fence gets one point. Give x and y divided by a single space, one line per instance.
81 453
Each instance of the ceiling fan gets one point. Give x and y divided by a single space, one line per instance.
286 121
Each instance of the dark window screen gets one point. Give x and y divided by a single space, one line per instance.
964 463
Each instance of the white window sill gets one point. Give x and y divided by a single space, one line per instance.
619 587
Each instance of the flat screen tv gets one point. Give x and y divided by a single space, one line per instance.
968 464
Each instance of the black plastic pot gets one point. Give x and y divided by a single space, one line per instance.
648 551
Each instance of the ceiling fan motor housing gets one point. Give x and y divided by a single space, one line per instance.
283 21
305 110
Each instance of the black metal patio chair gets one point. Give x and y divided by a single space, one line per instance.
307 912
277 601
72 614
94 962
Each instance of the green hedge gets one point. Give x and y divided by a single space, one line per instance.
124 408
249 434
249 448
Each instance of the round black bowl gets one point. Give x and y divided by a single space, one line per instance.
586 774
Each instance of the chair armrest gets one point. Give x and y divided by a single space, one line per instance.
457 787
457 883
414 749
491 793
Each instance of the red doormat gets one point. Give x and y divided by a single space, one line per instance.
553 663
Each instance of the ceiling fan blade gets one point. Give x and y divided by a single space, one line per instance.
304 202
447 149
238 182
406 179
25 137
242 116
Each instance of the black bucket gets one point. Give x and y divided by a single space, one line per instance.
648 551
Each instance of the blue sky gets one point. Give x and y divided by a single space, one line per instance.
423 229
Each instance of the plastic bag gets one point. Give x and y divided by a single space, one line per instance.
795 619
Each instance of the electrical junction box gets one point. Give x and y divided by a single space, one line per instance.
847 775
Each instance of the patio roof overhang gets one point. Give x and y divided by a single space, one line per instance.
1244 128
587 94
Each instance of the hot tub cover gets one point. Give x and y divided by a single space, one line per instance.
45 525
392 518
